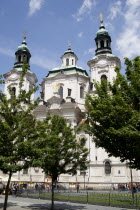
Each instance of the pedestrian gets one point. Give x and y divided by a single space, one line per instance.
15 190
78 186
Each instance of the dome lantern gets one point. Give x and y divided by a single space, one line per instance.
22 54
103 40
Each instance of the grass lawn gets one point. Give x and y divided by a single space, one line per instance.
113 199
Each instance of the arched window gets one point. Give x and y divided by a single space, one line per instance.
13 91
72 62
67 62
107 43
107 167
19 58
24 58
27 60
102 43
81 92
61 91
103 77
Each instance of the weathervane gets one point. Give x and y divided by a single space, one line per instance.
69 44
101 18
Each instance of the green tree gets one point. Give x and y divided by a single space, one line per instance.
57 149
114 114
1 82
16 129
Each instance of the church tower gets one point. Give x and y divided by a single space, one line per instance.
102 65
12 78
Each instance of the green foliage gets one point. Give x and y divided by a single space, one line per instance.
16 128
57 150
114 114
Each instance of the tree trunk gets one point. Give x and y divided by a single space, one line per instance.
132 190
52 206
7 191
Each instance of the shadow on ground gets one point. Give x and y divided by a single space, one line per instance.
10 204
62 206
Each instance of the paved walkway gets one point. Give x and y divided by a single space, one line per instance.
37 204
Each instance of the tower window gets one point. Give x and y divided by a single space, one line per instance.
24 59
27 60
67 62
13 92
25 171
107 43
81 92
19 58
119 171
72 61
107 167
103 77
60 92
102 43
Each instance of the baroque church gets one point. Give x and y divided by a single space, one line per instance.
63 93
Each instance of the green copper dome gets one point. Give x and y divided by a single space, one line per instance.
23 47
22 54
102 31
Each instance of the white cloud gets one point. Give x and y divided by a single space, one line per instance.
43 62
90 51
39 60
128 42
84 10
80 34
115 10
35 5
8 52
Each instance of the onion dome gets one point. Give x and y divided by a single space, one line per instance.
22 54
103 40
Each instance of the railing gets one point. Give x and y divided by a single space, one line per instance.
117 199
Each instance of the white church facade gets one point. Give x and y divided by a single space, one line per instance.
63 93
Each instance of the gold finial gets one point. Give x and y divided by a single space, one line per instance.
101 18
24 34
69 44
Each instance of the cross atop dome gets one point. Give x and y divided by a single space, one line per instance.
101 18
24 37
69 45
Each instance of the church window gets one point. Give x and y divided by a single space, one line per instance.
24 58
67 62
72 62
107 168
13 92
60 92
102 44
107 43
19 58
119 171
25 171
82 173
95 157
81 92
103 77
27 60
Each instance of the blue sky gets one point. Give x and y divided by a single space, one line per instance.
51 23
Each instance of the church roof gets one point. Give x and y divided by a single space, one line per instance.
67 70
